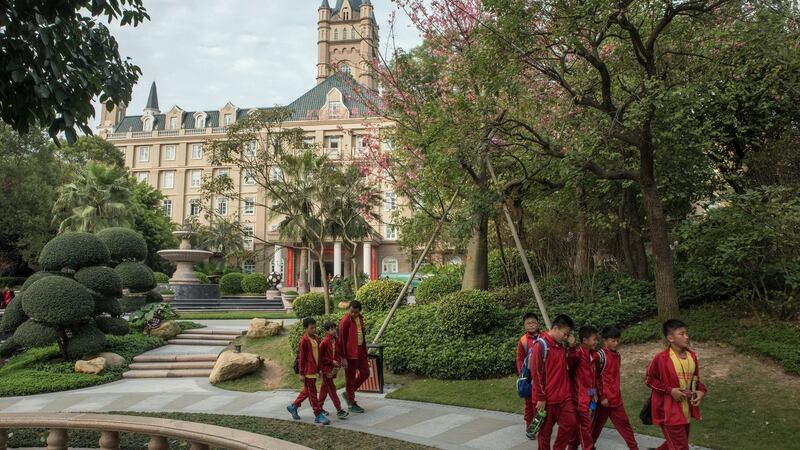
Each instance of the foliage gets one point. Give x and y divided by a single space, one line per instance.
433 288
308 305
231 283
57 301
203 278
379 295
297 329
131 303
149 220
101 279
467 313
136 276
33 278
92 148
13 315
151 315
124 244
167 292
107 305
116 326
153 297
33 334
512 271
12 281
342 288
223 237
254 283
98 197
85 340
161 277
73 251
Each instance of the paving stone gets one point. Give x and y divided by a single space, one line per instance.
437 425
502 439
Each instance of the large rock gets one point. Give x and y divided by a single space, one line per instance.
112 359
167 330
94 366
263 327
231 365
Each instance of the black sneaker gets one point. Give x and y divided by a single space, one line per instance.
342 414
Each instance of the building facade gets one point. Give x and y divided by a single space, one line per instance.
165 149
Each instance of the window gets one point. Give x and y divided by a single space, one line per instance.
248 236
147 123
194 207
336 34
144 154
249 206
275 173
142 176
168 182
389 265
249 266
197 151
228 119
389 201
346 69
387 145
332 144
195 178
200 120
454 259
250 149
225 172
389 231
169 153
308 142
249 177
167 207
173 123
334 109
222 206
273 227
362 145
344 30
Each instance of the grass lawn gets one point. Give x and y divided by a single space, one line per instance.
316 437
232 315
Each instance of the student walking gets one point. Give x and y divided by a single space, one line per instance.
585 386
353 343
330 362
525 348
308 368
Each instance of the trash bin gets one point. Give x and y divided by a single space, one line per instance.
375 381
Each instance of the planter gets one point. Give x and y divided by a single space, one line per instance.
168 298
273 293
287 300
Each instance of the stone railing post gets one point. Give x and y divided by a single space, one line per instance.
158 443
57 439
199 446
109 440
3 438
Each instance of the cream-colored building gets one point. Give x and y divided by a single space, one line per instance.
165 149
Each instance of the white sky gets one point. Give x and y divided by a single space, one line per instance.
203 53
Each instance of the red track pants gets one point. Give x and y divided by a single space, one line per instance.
677 437
355 374
530 411
329 388
309 392
562 414
620 420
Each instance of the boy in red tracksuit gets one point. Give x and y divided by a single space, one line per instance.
353 342
611 406
585 385
551 385
308 365
330 361
674 378
531 324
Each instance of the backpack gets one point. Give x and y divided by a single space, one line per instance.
601 361
525 381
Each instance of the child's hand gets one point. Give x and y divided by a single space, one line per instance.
604 402
678 394
540 405
344 363
698 398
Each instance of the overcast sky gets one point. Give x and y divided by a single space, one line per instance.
203 53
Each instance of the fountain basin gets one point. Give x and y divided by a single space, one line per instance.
184 258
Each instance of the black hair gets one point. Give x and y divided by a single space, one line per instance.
672 325
563 320
356 304
329 325
309 321
529 315
586 332
611 333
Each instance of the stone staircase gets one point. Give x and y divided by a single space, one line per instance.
229 304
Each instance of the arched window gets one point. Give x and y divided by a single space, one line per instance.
346 69
344 33
147 123
336 34
389 265
200 120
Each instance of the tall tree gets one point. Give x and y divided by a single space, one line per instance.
148 218
91 148
97 198
223 236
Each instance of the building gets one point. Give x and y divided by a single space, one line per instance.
165 148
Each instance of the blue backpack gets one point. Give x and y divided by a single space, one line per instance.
525 381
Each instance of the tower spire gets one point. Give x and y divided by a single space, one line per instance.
152 100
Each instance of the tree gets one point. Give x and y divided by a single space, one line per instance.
223 236
148 218
58 57
97 198
91 148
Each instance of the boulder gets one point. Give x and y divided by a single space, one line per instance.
231 365
94 366
167 330
112 359
263 327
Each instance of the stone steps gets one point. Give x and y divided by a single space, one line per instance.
208 337
174 358
172 365
170 373
213 331
224 304
198 342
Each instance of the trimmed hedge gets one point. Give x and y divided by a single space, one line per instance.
131 303
107 305
73 251
13 316
57 301
231 283
123 244
34 278
161 277
116 326
432 289
202 277
467 313
101 279
255 283
379 295
34 334
86 339
153 297
310 304
12 281
136 276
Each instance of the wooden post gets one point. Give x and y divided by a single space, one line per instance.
109 440
57 439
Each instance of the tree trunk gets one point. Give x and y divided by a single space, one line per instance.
324 276
302 280
476 274
630 233
582 252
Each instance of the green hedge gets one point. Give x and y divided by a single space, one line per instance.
466 313
34 278
73 251
57 301
13 316
432 289
379 295
123 244
112 325
131 303
86 339
12 281
310 304
136 276
231 283
161 277
107 305
153 297
254 283
101 279
34 334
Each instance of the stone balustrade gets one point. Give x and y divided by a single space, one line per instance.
201 436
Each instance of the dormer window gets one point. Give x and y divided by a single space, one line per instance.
147 122
346 15
228 119
200 120
173 123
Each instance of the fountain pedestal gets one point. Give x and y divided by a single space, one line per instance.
184 282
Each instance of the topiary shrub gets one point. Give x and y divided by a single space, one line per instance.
131 303
161 277
73 251
153 297
34 278
86 339
231 283
123 244
101 279
57 301
467 313
432 289
116 326
379 295
254 283
13 316
34 334
310 304
203 278
107 305
136 276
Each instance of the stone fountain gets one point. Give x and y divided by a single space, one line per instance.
184 282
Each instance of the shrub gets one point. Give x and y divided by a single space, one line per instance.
513 266
161 277
136 276
167 292
57 301
379 295
34 334
34 278
203 278
254 283
131 303
231 283
123 244
101 279
432 289
86 339
153 297
151 316
12 281
13 316
342 289
297 330
107 305
73 251
310 304
112 325
467 313
518 297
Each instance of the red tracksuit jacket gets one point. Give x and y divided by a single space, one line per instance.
584 375
305 356
329 354
525 342
661 378
348 338
610 379
551 379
